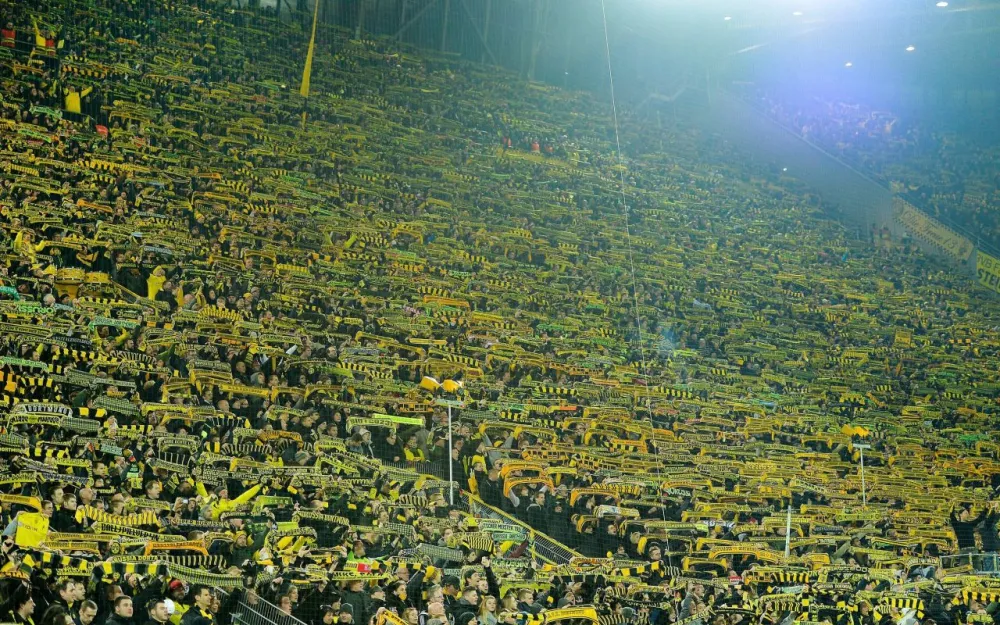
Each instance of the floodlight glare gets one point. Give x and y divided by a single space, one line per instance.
942 4
797 13
727 18
910 48
848 64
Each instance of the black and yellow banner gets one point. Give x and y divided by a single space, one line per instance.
988 271
933 232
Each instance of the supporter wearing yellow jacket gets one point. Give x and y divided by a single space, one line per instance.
47 42
72 99
220 502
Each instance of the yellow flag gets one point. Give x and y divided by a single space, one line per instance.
307 70
31 529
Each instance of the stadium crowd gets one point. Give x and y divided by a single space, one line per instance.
948 175
384 366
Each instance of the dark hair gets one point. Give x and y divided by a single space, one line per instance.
88 605
197 588
152 603
20 596
121 599
55 615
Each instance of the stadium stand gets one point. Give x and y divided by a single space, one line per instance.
946 174
383 366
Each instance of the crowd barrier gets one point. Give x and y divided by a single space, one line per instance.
251 609
981 563
854 190
544 547
766 144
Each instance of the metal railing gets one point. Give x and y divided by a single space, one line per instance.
545 547
252 609
981 563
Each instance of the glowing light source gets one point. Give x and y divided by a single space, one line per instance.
797 13
910 48
848 64
942 4
728 17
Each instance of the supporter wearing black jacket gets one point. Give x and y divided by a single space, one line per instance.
388 449
964 527
491 579
988 532
157 612
64 595
88 613
359 600
64 519
123 612
469 603
559 524
491 489
324 594
20 607
414 589
449 586
199 613
536 513
396 597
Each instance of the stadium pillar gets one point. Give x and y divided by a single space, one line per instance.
566 59
536 38
475 29
405 26
486 32
444 24
360 23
